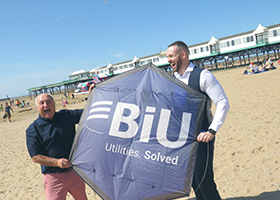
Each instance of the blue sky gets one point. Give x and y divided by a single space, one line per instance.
44 41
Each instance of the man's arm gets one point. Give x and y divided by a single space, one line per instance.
210 85
91 87
51 162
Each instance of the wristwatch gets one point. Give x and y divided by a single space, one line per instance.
212 131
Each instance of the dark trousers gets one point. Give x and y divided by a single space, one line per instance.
203 184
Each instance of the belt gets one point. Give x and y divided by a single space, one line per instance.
67 170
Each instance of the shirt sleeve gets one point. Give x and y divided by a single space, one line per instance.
76 114
211 86
32 141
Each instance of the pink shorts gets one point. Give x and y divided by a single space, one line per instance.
58 184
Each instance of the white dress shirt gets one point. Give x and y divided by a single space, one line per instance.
210 85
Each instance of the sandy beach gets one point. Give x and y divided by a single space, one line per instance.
247 159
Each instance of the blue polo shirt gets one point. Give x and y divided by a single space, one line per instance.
53 137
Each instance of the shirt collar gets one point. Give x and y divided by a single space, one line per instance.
188 70
48 120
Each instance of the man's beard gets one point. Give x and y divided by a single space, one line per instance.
178 65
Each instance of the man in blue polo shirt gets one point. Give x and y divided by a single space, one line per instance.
49 140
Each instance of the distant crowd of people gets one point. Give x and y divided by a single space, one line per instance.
260 67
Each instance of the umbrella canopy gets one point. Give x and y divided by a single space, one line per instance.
137 136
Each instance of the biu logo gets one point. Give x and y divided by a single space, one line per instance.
100 109
132 125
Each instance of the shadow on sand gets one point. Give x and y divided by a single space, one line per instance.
275 195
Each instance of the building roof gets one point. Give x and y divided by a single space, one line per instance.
260 29
78 72
135 59
213 41
234 35
109 66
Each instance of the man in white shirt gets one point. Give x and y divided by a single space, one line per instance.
178 57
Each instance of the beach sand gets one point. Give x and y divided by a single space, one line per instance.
246 162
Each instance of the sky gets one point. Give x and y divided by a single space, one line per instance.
44 41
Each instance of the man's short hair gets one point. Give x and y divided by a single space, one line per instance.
41 94
181 45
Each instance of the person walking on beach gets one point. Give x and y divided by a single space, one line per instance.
205 82
8 110
49 141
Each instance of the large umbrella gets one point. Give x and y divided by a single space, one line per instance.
137 136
